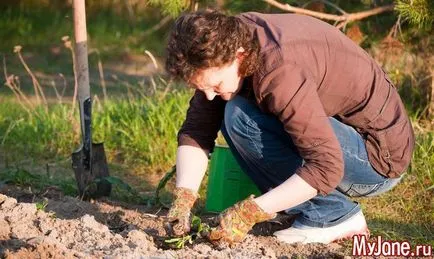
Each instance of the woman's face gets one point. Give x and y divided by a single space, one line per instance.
224 81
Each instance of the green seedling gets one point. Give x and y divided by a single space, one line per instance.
180 242
42 205
198 230
20 177
52 214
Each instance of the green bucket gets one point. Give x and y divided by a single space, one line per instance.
227 183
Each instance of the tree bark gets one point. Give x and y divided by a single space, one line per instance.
431 103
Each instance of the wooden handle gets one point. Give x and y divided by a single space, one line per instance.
82 73
80 31
80 49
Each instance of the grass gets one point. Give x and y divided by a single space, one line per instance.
133 132
407 212
33 25
38 182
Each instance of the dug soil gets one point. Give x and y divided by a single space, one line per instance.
51 225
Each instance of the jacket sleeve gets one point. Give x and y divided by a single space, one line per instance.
288 93
203 121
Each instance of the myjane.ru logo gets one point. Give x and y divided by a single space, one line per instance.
364 247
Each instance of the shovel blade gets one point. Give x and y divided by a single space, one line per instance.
91 181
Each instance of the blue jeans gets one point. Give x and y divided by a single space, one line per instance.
267 154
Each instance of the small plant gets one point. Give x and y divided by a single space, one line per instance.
20 177
41 205
198 230
52 214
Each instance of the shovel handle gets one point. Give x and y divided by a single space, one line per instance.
82 73
80 49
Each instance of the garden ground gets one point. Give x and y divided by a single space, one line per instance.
50 225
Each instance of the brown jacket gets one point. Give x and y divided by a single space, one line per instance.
311 71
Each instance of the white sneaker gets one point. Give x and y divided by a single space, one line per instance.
356 225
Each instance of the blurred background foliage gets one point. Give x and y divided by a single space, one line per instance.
138 110
121 30
129 21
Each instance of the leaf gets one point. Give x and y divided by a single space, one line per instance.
173 240
117 181
163 182
41 205
20 177
179 242
196 223
180 245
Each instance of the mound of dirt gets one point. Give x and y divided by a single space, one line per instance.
70 228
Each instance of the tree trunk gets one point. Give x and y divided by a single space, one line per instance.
220 4
431 103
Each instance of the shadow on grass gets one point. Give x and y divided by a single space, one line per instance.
398 231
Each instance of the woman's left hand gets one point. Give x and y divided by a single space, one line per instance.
237 220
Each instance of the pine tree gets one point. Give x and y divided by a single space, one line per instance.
418 12
172 7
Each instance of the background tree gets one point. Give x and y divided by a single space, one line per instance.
418 12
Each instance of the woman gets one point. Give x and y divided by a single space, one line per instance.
308 114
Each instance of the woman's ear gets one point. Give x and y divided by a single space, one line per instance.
241 53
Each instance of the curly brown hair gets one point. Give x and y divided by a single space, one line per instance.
207 39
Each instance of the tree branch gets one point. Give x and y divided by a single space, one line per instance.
158 26
327 3
341 19
431 99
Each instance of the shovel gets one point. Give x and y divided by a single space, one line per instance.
89 161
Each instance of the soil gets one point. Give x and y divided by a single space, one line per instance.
71 228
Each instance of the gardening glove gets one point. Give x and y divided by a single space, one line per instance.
237 220
179 216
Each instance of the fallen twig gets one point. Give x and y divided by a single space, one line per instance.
158 26
36 85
